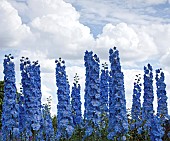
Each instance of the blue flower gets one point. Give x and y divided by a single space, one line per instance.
64 116
92 103
76 102
47 124
136 105
162 109
157 131
118 124
31 88
10 108
104 85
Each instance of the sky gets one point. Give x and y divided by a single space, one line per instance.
45 30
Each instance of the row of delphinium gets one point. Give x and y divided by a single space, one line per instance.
144 124
105 116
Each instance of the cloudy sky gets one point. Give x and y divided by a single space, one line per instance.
45 30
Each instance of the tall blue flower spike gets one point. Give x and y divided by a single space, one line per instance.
25 81
40 135
157 130
76 102
147 108
162 109
31 84
104 90
10 108
87 59
64 116
118 123
47 124
92 112
21 116
136 104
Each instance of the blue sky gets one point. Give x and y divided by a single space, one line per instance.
95 14
45 30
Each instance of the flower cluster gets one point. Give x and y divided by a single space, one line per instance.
10 116
92 93
31 85
87 60
147 108
47 124
118 123
64 116
76 102
162 110
104 87
21 115
136 104
157 130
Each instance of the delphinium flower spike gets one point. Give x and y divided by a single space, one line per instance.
162 109
136 104
147 108
118 123
92 112
64 116
31 85
10 108
76 102
104 89
47 123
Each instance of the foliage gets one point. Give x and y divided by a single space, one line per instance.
54 121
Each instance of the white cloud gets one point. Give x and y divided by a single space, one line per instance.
56 30
134 46
12 31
